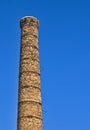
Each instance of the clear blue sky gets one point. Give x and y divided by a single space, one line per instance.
64 42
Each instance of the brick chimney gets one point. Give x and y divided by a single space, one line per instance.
29 93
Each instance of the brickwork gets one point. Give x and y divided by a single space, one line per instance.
29 94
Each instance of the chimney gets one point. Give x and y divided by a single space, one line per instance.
29 93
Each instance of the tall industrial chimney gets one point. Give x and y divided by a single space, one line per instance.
29 93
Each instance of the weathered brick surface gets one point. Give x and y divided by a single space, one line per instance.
32 65
29 108
29 94
29 123
29 79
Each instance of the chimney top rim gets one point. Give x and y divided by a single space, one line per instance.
28 17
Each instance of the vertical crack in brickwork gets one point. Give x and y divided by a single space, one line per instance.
29 94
